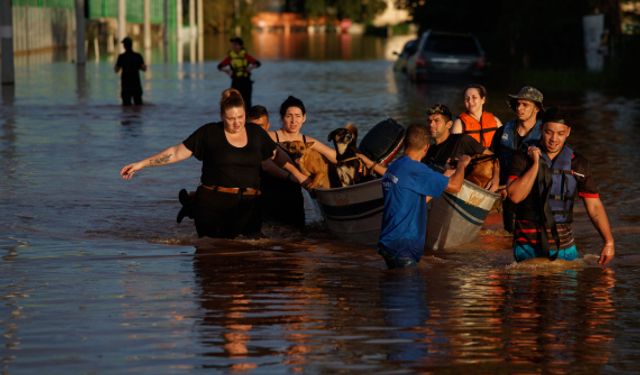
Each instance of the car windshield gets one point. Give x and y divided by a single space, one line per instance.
451 44
410 47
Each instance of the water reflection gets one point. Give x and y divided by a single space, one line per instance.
560 319
81 83
404 303
242 311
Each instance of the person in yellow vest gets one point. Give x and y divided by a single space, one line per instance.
238 65
475 121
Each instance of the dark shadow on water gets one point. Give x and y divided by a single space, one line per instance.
81 84
132 115
8 94
404 302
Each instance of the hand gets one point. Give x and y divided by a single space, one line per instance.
504 194
534 153
607 253
367 162
491 186
129 170
306 184
463 161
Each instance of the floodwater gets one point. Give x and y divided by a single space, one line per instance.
96 277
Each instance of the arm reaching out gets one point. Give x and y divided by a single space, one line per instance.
170 155
457 178
325 150
376 167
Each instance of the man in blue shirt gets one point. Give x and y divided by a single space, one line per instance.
407 186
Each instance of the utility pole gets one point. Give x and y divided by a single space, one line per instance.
122 20
81 55
236 16
147 24
165 34
6 41
179 19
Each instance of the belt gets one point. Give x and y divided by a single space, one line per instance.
232 190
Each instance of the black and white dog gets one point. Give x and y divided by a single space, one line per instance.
349 168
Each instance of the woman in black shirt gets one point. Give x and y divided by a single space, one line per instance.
232 153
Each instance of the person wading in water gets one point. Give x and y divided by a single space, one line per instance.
238 65
232 154
544 183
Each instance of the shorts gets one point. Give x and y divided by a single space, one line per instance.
524 252
395 260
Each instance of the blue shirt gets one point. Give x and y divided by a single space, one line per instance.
404 222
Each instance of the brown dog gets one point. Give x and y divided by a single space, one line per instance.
349 168
481 170
310 162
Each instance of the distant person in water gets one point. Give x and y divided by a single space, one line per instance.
238 65
407 185
232 153
544 183
130 63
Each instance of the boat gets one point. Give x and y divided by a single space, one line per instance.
354 213
456 219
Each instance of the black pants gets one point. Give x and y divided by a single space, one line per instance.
128 94
282 202
224 215
245 86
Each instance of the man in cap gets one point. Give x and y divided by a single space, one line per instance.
515 134
130 63
544 183
238 65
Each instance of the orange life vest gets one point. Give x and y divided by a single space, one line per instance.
481 131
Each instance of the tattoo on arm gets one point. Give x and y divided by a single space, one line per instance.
160 160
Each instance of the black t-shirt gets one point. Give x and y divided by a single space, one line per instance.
529 226
130 62
454 146
226 165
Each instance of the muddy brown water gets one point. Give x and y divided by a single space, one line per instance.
96 276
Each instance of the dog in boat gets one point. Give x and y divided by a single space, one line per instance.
310 162
349 168
481 169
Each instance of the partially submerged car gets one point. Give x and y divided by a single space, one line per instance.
442 55
408 50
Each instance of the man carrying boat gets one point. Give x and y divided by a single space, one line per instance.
447 147
515 134
406 185
544 183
